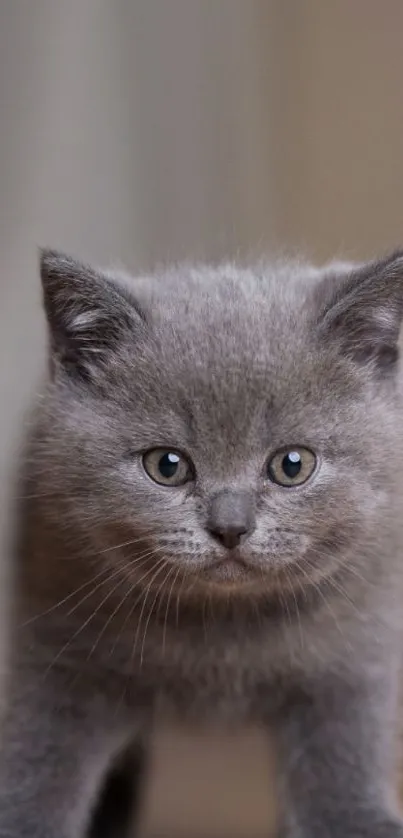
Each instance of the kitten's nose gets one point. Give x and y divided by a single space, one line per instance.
231 517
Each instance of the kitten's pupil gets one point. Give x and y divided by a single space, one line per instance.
292 464
168 465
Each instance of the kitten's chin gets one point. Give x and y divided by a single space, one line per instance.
228 573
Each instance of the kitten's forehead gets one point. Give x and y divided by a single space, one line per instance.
233 345
228 315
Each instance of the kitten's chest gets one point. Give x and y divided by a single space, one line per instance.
232 674
220 678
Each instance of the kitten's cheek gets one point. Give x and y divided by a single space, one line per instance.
299 550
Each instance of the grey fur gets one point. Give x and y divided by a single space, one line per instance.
297 626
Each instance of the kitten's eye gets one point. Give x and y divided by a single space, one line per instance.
292 467
169 468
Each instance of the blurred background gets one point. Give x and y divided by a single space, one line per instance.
144 131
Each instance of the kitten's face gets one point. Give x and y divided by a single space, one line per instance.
233 428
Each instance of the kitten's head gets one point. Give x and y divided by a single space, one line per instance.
239 428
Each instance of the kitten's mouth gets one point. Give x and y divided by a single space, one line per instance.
229 569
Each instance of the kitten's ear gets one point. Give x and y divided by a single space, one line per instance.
363 310
87 312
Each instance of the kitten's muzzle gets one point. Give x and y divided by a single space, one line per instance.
231 517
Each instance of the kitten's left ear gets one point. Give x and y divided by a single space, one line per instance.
363 310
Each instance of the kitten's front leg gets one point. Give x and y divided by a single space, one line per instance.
55 751
336 749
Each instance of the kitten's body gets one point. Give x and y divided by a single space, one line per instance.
132 605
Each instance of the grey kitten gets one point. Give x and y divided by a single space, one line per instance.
212 530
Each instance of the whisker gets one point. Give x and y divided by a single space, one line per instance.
204 619
67 598
132 588
354 572
297 612
133 607
129 543
343 593
157 594
325 601
122 567
93 591
161 565
108 572
164 630
81 628
185 577
113 614
178 596
162 562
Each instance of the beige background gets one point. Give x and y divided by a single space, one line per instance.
150 130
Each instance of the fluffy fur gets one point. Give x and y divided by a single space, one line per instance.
230 598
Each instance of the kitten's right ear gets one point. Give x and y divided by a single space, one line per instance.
87 312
